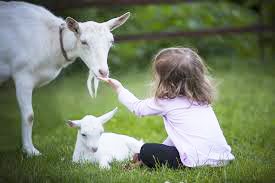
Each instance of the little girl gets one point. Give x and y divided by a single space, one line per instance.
182 97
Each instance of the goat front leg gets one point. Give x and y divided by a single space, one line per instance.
24 88
104 163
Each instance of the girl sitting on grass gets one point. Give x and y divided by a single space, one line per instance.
182 97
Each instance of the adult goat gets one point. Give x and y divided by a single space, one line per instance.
35 46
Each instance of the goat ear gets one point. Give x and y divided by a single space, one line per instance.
106 117
73 123
73 25
116 22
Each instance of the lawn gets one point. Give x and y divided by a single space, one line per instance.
245 109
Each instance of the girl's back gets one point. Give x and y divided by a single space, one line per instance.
191 117
195 130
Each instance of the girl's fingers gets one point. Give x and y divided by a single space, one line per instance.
107 80
115 84
103 79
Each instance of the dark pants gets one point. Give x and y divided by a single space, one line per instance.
154 155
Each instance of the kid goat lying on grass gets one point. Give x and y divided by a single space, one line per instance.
92 145
183 97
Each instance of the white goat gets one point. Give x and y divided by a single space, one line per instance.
35 46
94 146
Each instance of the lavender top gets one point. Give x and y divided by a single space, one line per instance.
193 129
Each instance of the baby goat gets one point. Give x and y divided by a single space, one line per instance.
94 146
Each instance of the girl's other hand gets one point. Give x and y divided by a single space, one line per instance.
115 84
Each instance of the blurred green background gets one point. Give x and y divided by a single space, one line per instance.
185 17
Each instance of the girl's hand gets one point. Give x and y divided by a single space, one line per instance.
115 84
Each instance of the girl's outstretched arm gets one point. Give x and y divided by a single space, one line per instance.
147 107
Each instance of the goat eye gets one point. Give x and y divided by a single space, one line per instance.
84 43
84 135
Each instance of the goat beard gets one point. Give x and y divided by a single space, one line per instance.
89 84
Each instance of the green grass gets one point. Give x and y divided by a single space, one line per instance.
245 109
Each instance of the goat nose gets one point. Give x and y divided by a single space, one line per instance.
94 149
104 73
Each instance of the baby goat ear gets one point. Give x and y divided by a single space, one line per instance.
117 22
73 123
106 117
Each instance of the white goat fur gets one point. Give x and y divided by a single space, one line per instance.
98 147
30 52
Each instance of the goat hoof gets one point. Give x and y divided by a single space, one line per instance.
105 166
31 152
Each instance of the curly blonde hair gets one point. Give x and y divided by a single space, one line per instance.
181 72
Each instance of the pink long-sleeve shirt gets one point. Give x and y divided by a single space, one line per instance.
193 129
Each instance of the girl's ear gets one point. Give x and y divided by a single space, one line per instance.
73 123
106 117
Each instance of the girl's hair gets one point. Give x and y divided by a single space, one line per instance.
181 72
